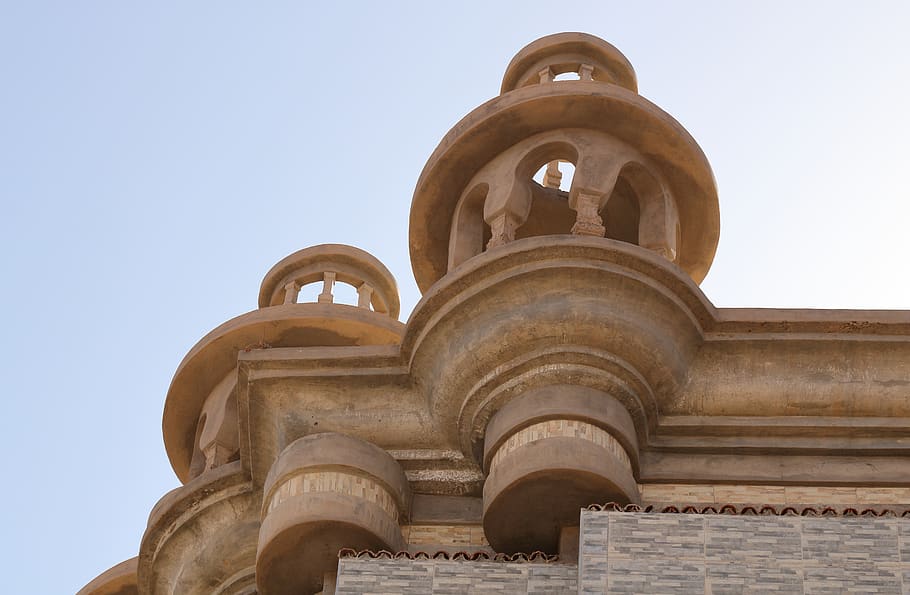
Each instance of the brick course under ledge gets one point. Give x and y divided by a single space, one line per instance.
656 493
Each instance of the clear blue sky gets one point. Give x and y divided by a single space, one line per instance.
157 158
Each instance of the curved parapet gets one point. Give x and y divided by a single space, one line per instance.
592 58
326 492
200 418
207 370
201 537
549 453
117 580
329 264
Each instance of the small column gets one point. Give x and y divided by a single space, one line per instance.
546 75
503 229
552 177
588 221
364 295
328 282
216 455
586 72
291 291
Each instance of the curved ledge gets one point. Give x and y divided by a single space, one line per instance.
242 582
539 487
560 454
506 120
215 355
476 275
117 580
629 322
300 539
561 47
215 510
354 265
562 402
336 451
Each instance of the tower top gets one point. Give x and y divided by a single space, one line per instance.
639 177
590 57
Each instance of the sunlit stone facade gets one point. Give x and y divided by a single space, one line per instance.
562 357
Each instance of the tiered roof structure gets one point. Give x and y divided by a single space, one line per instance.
562 356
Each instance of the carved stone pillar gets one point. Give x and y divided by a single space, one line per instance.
552 177
328 282
586 72
588 221
291 291
503 228
364 295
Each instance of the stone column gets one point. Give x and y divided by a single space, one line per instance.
328 282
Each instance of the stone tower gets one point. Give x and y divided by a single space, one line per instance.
562 357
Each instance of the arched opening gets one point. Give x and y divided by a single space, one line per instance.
641 212
345 293
556 174
197 462
342 293
548 170
621 213
309 292
567 76
470 233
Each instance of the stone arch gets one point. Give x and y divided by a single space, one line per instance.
470 233
217 437
614 193
197 462
544 153
511 201
657 223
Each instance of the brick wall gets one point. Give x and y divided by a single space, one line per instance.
419 577
765 494
624 552
433 537
649 552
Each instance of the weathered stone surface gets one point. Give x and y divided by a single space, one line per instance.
562 355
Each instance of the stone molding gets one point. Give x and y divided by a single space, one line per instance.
565 428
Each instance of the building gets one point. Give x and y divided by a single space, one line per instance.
564 411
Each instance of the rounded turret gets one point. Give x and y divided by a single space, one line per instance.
639 177
200 412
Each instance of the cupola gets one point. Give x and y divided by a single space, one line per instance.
639 177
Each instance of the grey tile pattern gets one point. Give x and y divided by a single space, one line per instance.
638 552
544 579
408 577
665 537
858 579
903 533
740 539
444 577
632 552
642 575
594 541
851 540
753 577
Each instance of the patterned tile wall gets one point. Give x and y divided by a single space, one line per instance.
624 552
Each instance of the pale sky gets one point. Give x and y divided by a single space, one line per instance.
156 159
